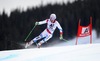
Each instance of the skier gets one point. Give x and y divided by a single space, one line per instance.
52 24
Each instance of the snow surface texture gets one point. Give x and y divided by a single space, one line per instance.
88 52
66 51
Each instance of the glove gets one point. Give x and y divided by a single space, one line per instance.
36 23
61 37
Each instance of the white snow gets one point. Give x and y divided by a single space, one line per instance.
67 51
86 52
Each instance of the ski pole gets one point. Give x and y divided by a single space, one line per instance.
30 33
64 39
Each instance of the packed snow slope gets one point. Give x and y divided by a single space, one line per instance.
86 52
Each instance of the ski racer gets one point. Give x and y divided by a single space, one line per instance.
52 24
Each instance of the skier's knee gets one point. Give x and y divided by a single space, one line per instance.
34 40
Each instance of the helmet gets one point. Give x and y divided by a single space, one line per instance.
52 17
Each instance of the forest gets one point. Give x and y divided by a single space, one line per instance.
15 28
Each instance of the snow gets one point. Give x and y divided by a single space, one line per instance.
86 52
66 51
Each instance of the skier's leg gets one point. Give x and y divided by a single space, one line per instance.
33 41
44 40
29 43
40 43
37 38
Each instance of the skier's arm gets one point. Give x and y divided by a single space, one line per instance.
41 22
61 30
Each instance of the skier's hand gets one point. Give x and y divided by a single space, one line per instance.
36 23
61 37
